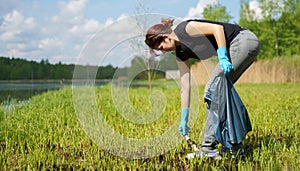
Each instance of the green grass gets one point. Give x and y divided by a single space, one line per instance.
45 133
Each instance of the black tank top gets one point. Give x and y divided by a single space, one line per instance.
205 46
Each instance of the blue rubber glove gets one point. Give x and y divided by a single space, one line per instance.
225 65
183 128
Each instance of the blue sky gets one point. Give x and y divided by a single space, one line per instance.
58 30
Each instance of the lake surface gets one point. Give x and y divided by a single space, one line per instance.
24 90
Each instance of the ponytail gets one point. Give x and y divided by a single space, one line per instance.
168 22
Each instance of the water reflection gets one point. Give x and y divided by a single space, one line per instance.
24 90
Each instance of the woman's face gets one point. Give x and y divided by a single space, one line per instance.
167 44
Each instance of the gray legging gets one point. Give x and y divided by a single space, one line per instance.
243 51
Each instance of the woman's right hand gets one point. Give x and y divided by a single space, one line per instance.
183 128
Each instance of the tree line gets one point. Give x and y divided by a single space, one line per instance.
21 69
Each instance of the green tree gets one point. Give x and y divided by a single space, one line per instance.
138 69
59 71
289 24
277 28
216 12
106 72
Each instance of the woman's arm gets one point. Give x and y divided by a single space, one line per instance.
194 28
184 69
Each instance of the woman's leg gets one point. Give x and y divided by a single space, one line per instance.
243 52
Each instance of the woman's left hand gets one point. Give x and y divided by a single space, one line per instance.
225 65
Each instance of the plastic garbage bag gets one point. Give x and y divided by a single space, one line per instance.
229 117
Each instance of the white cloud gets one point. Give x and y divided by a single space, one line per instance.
109 21
6 36
88 26
50 44
123 16
255 8
73 7
91 26
196 12
14 23
72 11
15 18
117 42
275 12
59 37
16 32
64 34
17 49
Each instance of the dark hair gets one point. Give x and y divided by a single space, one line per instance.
155 33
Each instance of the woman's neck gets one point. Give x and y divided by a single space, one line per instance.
174 37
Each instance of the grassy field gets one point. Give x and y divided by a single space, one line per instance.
45 133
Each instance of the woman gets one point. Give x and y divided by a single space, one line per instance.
236 48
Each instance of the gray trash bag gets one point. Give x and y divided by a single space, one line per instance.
229 117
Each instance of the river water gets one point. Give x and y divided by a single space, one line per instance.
24 90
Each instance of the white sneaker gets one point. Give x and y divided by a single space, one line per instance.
201 154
